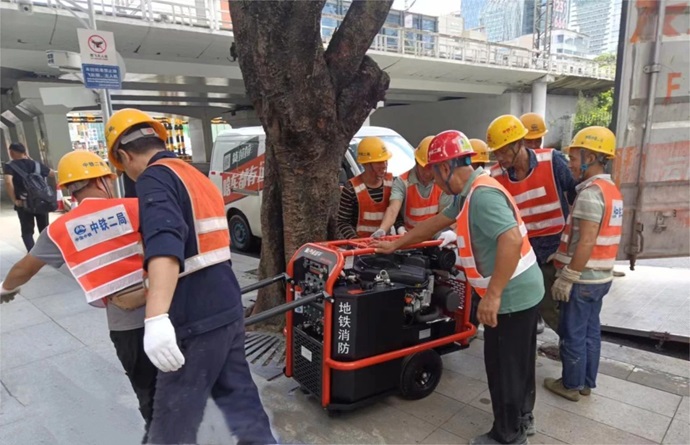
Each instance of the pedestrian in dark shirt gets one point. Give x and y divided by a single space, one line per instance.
14 185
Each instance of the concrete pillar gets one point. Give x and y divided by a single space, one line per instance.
201 137
4 143
539 89
32 134
57 141
367 121
11 128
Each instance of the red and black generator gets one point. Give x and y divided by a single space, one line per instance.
361 325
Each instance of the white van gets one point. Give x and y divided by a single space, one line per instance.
237 169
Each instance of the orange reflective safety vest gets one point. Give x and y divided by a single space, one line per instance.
605 248
536 196
210 222
370 212
417 207
100 243
465 255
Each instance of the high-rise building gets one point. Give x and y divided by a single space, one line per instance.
471 11
507 19
600 20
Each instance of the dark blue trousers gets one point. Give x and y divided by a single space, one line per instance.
215 366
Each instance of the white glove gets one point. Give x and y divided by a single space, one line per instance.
447 237
160 343
402 230
563 286
379 233
7 295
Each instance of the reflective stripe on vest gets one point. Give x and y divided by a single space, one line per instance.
100 243
370 212
536 196
605 249
210 222
465 257
418 208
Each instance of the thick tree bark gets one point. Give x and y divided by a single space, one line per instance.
311 102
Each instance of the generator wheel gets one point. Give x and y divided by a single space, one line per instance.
420 374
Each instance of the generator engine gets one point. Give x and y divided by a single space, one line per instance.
373 324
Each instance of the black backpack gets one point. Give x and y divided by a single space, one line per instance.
40 197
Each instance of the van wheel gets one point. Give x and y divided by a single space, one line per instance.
240 234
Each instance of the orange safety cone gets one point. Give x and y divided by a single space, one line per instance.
60 203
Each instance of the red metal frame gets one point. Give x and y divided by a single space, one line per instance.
343 249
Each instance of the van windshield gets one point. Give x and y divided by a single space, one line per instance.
403 153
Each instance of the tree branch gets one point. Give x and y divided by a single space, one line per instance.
353 38
361 95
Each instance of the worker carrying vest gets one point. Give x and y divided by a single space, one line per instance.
483 156
541 184
496 256
536 129
365 198
585 259
415 193
99 242
193 296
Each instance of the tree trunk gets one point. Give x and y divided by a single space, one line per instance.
311 102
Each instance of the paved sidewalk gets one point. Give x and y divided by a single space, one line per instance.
62 384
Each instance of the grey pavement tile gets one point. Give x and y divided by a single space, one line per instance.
645 359
46 286
26 431
469 422
572 428
460 387
683 411
63 304
660 380
102 405
106 350
465 364
90 327
483 402
435 409
11 409
619 415
678 433
20 314
33 343
441 436
540 438
641 396
476 348
614 368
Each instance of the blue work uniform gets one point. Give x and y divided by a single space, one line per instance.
207 314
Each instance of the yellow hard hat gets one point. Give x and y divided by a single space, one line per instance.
79 165
123 120
504 130
372 149
535 125
421 153
481 149
597 139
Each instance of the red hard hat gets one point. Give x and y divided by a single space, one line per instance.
449 145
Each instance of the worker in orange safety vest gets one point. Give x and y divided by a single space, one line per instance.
194 327
536 130
99 242
543 187
365 198
495 254
483 156
415 193
585 259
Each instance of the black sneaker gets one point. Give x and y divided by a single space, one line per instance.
540 325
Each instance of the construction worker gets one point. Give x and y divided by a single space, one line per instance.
542 186
100 227
416 189
194 327
483 156
536 129
365 198
496 256
584 260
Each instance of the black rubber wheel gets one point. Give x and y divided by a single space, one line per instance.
240 233
420 374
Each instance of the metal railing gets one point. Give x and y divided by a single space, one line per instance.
213 15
